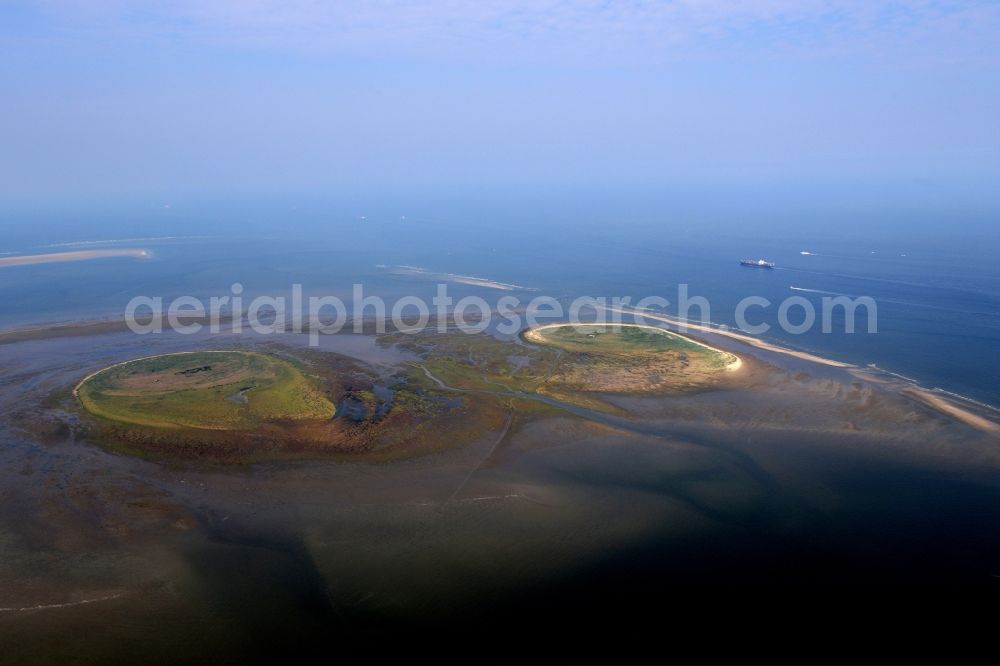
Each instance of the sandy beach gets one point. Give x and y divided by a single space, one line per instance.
947 407
76 255
927 397
746 339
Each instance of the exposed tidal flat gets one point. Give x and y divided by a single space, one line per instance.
531 503
73 255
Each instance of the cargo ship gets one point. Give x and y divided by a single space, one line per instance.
757 263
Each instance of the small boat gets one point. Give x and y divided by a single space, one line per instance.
757 263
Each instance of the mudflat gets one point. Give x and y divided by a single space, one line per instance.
460 477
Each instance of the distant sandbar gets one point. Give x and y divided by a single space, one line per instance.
76 255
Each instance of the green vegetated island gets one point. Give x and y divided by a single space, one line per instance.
225 390
631 358
215 405
245 406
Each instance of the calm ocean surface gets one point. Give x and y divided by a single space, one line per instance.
937 289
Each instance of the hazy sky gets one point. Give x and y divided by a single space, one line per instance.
110 98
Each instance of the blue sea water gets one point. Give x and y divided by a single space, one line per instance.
937 284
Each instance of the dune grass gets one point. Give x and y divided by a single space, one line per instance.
600 339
